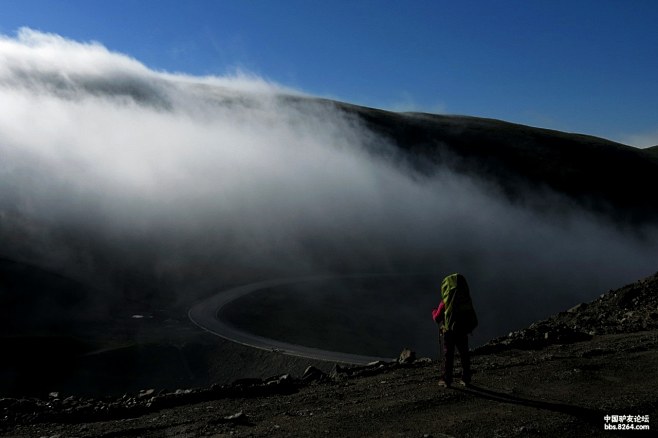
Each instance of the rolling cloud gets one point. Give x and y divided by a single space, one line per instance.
130 178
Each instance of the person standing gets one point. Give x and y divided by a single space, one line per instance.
456 318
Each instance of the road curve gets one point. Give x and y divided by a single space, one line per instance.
206 315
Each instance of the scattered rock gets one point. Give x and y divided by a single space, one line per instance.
407 356
237 418
313 374
182 391
577 308
627 310
248 382
146 393
279 380
528 430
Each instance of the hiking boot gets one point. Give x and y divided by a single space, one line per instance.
464 383
444 384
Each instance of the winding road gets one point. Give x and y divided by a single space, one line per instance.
206 315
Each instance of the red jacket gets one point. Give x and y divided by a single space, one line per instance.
437 314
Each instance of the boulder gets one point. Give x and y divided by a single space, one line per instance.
407 356
313 374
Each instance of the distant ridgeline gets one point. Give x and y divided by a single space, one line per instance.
600 175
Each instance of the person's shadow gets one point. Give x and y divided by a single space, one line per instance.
591 416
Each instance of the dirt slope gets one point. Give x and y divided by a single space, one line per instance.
551 384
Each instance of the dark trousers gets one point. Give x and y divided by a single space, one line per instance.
451 340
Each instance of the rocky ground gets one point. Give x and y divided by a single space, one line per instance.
559 377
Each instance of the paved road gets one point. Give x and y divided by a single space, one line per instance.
205 314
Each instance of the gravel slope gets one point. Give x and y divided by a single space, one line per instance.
562 386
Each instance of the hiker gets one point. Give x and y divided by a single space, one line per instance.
456 319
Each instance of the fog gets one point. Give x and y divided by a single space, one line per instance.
146 183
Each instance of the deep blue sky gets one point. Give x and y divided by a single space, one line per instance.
582 66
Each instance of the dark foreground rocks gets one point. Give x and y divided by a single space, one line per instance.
561 390
559 377
72 409
631 309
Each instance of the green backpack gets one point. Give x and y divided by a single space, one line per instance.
459 312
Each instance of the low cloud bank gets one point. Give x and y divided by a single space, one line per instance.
152 184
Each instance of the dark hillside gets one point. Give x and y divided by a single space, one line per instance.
38 300
598 174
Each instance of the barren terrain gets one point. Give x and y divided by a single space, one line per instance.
559 377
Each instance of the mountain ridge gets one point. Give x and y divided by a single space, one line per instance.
601 175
